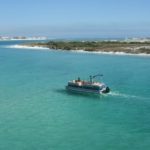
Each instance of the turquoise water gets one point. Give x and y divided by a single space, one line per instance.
36 113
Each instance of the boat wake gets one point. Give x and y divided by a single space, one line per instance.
118 94
123 95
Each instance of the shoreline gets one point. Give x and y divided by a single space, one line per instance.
96 46
28 47
77 51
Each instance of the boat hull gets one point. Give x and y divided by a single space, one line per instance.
83 90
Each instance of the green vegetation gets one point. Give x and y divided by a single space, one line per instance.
104 46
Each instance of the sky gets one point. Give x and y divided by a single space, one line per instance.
75 18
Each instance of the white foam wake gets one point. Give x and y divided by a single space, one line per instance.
118 94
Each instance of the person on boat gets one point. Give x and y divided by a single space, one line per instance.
91 79
79 79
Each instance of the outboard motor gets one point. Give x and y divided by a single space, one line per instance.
107 90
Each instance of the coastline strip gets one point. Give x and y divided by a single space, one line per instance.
77 51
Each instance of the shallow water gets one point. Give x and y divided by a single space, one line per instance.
37 113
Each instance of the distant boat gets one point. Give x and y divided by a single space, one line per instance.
87 86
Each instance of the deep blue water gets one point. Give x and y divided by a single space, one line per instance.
37 113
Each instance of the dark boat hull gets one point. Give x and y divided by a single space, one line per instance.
83 90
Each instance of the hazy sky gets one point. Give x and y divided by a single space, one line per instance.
75 18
